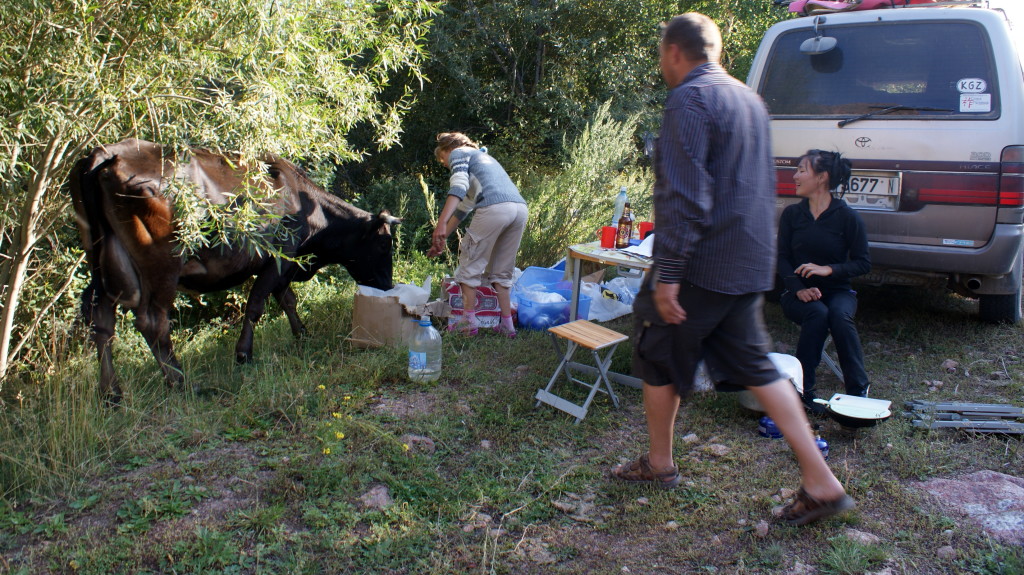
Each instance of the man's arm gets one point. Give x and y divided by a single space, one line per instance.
684 198
686 193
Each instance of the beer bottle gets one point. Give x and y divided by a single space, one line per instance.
625 229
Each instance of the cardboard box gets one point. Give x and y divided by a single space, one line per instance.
488 313
379 321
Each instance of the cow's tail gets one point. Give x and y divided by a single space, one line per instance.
83 184
88 303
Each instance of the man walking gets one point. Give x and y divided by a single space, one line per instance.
714 255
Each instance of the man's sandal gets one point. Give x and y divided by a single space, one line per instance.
640 471
805 509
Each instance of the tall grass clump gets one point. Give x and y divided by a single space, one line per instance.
54 432
570 205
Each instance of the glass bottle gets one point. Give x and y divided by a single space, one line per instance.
625 228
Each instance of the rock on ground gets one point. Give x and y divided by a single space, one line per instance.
992 500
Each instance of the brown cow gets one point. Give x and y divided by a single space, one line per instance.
126 221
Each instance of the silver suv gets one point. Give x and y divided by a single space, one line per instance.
928 103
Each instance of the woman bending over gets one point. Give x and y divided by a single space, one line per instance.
487 254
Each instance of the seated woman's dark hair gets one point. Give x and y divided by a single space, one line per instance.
835 165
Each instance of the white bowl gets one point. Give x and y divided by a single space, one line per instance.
786 365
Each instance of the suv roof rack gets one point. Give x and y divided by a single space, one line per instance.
816 7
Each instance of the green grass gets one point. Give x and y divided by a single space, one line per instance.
266 469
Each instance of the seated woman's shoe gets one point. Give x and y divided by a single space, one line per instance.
815 409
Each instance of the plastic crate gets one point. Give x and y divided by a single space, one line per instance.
538 315
551 279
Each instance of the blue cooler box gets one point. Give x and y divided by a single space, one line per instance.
538 315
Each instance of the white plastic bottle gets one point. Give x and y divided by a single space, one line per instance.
620 204
425 352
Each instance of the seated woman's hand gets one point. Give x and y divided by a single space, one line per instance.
808 270
808 295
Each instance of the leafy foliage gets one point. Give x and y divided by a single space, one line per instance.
292 78
526 77
566 207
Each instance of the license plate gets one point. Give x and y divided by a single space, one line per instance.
873 191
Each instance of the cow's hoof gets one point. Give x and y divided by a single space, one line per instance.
112 399
243 358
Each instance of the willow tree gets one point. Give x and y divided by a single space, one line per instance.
292 77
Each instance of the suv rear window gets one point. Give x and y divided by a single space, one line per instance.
929 69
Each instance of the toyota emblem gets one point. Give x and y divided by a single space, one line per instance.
862 142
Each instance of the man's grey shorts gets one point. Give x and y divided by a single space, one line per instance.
726 331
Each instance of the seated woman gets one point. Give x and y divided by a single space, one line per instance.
822 244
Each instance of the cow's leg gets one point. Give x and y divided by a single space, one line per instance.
254 309
102 318
153 322
286 299
265 283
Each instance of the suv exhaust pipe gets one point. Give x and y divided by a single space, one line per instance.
973 283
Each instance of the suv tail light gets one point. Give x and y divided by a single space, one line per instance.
1011 177
784 185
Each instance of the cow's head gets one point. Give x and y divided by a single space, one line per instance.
372 264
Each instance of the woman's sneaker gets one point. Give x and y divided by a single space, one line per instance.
462 328
502 330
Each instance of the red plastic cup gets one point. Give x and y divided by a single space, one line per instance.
608 236
646 228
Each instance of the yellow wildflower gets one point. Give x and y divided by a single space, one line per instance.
321 387
327 451
336 415
339 435
405 446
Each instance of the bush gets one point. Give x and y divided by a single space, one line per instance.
568 207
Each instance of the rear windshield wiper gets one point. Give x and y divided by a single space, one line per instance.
891 109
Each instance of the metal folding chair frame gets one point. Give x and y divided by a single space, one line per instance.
827 359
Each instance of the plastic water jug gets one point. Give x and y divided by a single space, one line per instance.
425 352
620 204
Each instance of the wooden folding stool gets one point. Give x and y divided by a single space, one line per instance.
597 339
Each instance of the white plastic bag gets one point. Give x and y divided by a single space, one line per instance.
602 308
625 288
410 296
541 295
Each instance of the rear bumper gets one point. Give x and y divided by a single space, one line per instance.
995 258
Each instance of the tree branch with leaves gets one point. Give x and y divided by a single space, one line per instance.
245 76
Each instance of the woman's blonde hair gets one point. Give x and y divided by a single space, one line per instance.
447 141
